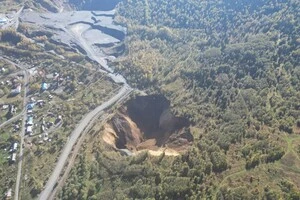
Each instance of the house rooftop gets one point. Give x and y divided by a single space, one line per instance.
3 20
30 106
9 193
44 86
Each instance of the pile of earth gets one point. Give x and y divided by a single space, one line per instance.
146 122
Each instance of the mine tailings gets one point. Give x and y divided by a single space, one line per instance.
147 122
101 5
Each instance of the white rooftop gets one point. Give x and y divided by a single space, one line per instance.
3 19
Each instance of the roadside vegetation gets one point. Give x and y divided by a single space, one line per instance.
79 90
62 88
231 68
8 169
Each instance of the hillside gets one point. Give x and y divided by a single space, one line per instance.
230 67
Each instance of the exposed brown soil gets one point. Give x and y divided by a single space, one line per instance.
147 123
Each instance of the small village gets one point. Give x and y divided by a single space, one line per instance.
47 113
40 119
36 124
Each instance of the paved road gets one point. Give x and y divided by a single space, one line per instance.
76 148
76 34
83 124
73 138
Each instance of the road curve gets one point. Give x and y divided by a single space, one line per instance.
73 138
76 34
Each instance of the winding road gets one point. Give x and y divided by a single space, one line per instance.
73 139
74 32
88 119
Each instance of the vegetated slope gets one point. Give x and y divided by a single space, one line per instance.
240 60
232 68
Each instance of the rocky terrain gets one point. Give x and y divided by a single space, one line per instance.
96 28
104 5
146 122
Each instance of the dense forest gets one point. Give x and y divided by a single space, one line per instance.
233 69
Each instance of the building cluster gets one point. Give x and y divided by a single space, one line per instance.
10 108
29 121
45 125
56 81
14 84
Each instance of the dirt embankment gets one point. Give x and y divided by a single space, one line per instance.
146 122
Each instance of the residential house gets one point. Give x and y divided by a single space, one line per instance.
5 106
3 20
40 103
30 106
29 121
15 147
13 157
44 86
12 109
16 90
9 194
2 70
29 130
